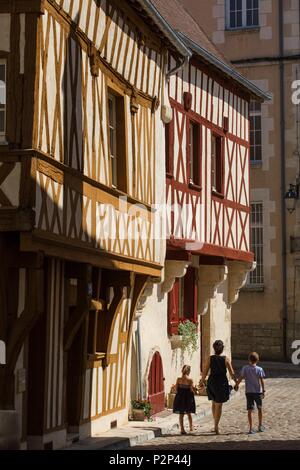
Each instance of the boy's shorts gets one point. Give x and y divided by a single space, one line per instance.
253 398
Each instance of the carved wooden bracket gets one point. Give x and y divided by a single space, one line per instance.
155 104
94 63
210 278
173 269
147 292
187 100
134 106
237 278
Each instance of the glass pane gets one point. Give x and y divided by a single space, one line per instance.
255 21
258 153
232 5
111 111
2 93
2 73
249 17
232 20
112 141
239 19
2 121
258 138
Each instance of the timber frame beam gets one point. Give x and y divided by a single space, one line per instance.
84 297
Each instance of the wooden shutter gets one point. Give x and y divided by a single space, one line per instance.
190 295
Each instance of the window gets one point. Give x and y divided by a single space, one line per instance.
2 99
182 301
169 143
194 153
255 131
216 164
242 14
117 141
256 278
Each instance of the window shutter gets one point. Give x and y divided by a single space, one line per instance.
173 318
190 295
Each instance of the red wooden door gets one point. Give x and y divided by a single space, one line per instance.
156 392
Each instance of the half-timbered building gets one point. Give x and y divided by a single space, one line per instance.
207 183
83 99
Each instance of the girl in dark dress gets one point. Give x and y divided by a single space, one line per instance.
184 402
218 389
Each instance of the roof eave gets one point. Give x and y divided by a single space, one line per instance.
230 72
168 31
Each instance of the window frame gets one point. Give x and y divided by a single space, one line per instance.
256 226
244 11
218 190
3 61
194 161
183 307
253 114
120 159
169 147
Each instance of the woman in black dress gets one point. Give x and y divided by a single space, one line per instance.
184 402
218 389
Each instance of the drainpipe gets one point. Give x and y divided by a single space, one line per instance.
139 359
283 182
178 67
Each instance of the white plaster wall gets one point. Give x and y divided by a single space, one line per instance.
154 337
220 319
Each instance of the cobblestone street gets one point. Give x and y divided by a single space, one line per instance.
282 422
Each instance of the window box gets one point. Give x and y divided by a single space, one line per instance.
176 341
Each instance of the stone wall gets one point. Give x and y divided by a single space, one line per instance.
264 338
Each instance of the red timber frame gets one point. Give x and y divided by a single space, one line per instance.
229 207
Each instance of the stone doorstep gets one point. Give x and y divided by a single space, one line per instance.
136 432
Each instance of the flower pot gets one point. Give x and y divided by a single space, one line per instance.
170 400
176 341
138 415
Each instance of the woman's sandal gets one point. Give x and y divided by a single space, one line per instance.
182 432
217 432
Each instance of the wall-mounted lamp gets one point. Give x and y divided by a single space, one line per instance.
292 196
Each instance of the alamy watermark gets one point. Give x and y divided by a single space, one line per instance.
296 93
296 354
2 353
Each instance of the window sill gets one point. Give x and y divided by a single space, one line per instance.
256 164
217 194
254 288
243 29
194 186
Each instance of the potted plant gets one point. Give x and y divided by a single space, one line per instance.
188 330
141 409
171 397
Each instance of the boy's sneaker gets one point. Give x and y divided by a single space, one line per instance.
252 431
261 429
